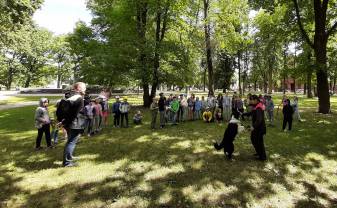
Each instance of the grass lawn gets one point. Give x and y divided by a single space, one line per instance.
18 99
174 167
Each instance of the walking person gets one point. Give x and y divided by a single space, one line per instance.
288 112
162 109
116 112
74 124
42 123
124 108
154 111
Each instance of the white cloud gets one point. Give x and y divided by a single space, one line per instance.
60 16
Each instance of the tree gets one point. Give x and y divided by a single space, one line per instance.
62 58
319 44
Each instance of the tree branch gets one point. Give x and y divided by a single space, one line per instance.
333 29
304 33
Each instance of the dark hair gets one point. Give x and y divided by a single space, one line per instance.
255 97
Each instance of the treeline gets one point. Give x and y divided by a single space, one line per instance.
213 44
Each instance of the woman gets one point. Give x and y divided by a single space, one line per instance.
42 123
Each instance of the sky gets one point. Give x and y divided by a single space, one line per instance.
60 16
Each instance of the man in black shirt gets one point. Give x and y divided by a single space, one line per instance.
258 129
162 109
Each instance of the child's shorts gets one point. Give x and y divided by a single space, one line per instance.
105 113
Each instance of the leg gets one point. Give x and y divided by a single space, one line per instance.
73 135
261 148
56 136
39 137
290 122
253 138
47 134
127 119
122 119
284 124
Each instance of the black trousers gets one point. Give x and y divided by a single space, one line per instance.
126 116
289 121
46 130
258 143
117 118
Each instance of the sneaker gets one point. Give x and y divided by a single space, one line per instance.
38 148
71 165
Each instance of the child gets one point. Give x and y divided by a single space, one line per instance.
296 110
42 123
198 106
191 102
218 115
137 118
105 109
270 109
203 104
288 112
54 130
174 109
207 115
154 111
124 108
227 106
232 130
89 112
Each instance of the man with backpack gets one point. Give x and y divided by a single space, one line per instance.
70 114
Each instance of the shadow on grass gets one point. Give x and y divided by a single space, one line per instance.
173 167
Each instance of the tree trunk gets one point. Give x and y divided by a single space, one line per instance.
10 78
239 73
59 80
27 82
284 84
270 77
208 49
141 31
305 89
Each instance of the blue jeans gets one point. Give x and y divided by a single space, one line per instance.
55 135
73 135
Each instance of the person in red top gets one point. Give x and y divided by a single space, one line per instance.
258 128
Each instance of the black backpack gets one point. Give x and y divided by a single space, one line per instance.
65 112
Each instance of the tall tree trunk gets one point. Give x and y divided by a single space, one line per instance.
270 77
10 78
208 48
142 10
205 73
59 79
305 89
284 84
320 48
28 80
239 73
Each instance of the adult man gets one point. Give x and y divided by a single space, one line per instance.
258 129
162 109
75 127
116 112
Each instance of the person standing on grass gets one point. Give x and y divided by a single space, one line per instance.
89 112
174 109
42 123
124 108
154 111
288 112
258 128
184 107
203 105
296 109
227 107
220 102
98 115
76 125
116 112
191 102
162 109
270 109
198 105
